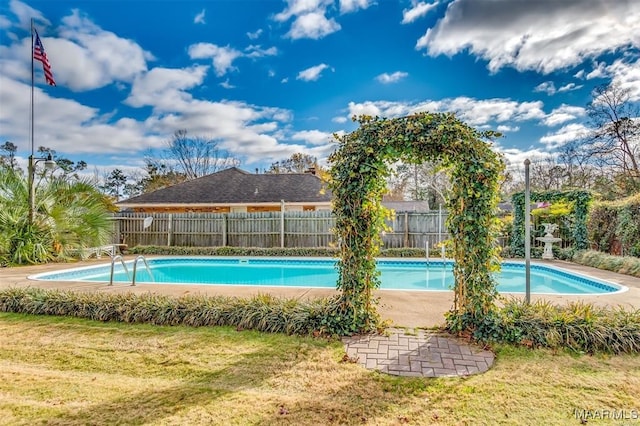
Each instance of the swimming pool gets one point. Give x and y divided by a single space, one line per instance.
396 274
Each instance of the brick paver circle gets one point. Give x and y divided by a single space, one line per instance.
420 354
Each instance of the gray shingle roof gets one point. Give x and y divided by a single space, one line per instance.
237 186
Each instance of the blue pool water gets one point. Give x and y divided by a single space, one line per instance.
394 274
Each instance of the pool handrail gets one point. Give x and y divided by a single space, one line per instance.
113 262
135 266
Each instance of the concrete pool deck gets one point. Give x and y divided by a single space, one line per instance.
401 308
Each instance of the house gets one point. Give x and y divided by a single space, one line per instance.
236 191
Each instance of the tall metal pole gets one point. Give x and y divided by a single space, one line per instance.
30 167
527 232
30 183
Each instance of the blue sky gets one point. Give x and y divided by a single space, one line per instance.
270 78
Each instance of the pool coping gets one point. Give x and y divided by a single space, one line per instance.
402 308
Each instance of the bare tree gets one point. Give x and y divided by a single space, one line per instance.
297 163
192 156
614 141
547 174
421 182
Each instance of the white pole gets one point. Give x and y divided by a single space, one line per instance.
440 222
527 232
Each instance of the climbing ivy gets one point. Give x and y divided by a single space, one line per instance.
580 211
357 179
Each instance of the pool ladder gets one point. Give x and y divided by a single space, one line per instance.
124 266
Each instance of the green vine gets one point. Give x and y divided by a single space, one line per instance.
357 179
580 212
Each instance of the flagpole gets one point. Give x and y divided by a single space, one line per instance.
49 164
32 84
30 170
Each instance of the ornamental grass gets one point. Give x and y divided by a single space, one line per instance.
580 327
262 312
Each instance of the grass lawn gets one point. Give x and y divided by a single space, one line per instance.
66 371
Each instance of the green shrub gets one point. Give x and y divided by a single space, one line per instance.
616 225
580 327
621 264
234 251
272 251
263 312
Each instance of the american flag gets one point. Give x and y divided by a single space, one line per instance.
40 55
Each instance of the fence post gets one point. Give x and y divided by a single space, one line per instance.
406 229
281 223
224 230
169 228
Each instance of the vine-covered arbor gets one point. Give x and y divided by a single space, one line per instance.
581 200
358 171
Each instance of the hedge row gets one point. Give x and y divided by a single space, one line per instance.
579 327
263 312
272 251
621 264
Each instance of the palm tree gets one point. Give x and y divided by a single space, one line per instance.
68 215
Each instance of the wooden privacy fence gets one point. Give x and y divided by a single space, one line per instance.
267 229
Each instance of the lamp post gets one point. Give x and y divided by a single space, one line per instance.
49 164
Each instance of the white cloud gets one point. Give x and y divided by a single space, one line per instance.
515 158
254 35
312 25
165 88
85 57
544 36
475 112
599 70
579 74
627 75
313 137
199 19
312 73
88 57
504 129
386 78
4 22
66 125
563 114
310 20
25 13
418 10
547 87
339 119
301 7
222 57
570 132
256 51
227 85
569 87
348 6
